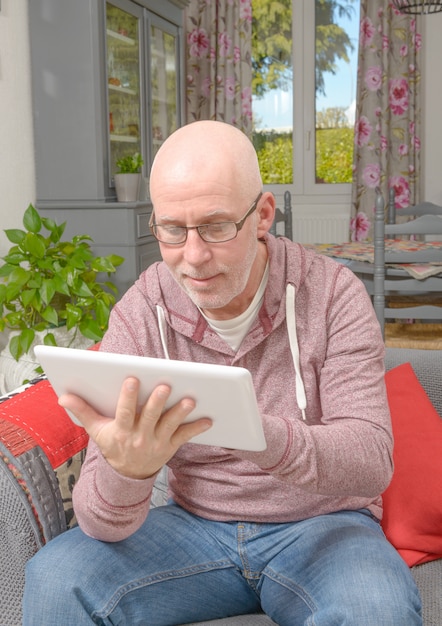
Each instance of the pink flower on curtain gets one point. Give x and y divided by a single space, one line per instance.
245 10
363 130
418 41
398 95
246 102
367 32
373 77
219 61
401 191
403 149
359 227
389 41
206 87
371 175
224 43
198 42
229 87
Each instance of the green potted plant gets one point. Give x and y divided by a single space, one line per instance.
128 177
51 291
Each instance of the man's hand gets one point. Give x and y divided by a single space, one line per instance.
135 444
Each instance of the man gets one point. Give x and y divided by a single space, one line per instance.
293 530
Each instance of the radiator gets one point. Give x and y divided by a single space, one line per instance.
315 229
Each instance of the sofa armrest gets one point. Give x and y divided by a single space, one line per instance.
41 452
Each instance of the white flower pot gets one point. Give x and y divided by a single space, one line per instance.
13 373
127 187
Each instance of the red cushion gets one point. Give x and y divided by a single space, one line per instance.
412 518
34 417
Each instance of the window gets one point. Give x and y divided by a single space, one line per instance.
304 56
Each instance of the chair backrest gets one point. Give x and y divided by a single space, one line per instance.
285 217
422 208
398 281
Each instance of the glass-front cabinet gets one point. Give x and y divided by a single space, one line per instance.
164 81
107 81
142 114
123 83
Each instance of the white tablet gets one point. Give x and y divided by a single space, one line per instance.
223 393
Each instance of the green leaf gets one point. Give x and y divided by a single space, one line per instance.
91 330
74 315
102 314
16 257
103 264
15 235
20 344
20 276
81 238
15 348
35 245
50 315
47 290
27 296
35 282
49 340
61 285
27 336
6 269
32 220
80 288
116 259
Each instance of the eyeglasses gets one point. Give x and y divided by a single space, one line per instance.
217 232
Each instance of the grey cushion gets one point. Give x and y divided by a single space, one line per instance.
428 578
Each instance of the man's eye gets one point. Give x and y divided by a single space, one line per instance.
173 230
216 228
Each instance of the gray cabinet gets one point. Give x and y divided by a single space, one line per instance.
106 81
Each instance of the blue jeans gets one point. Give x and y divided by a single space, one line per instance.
335 569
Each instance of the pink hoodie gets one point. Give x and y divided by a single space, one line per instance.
338 457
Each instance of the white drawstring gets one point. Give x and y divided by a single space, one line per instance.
162 326
293 341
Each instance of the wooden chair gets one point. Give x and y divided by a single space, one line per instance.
399 296
284 217
416 210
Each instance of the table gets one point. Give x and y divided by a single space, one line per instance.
359 257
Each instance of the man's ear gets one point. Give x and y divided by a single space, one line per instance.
266 213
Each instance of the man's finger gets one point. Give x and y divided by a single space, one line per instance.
126 409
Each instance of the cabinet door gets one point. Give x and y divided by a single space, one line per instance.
164 84
124 58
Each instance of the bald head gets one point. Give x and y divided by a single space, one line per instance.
202 154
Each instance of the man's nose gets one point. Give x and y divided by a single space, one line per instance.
196 250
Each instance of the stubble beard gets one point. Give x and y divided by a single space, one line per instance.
233 282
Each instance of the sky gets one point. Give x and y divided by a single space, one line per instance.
275 109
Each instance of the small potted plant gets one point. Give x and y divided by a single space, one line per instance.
51 292
128 177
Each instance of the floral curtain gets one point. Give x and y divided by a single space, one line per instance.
387 127
218 59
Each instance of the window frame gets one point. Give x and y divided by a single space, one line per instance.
305 186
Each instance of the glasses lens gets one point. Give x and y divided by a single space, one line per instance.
169 234
217 232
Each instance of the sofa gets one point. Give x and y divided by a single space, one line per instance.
41 452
